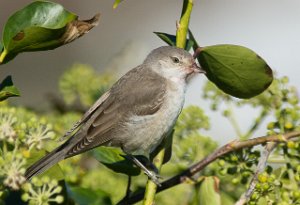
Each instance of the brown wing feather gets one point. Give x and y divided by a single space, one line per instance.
86 116
139 92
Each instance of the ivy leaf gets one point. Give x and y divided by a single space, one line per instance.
7 89
236 70
40 26
171 40
85 196
209 193
116 3
112 158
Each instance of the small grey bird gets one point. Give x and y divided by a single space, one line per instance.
136 114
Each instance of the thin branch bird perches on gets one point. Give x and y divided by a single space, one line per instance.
227 148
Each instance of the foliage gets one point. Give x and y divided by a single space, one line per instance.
7 89
280 103
23 132
39 26
236 70
88 90
26 135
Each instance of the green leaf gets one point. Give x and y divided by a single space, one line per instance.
1 47
171 40
191 36
7 89
84 196
189 44
54 172
227 199
209 191
167 38
236 70
112 158
167 144
39 26
116 3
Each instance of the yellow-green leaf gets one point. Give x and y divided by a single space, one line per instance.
209 191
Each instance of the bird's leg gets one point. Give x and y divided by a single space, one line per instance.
151 174
147 163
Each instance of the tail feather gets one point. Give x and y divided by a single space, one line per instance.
45 163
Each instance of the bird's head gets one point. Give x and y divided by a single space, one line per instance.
172 62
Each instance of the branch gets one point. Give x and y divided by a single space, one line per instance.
230 147
260 168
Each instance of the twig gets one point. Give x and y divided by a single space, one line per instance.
183 25
128 191
230 147
260 168
151 187
234 123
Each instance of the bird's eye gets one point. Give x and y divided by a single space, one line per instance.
175 60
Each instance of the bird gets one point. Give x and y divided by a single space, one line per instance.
135 114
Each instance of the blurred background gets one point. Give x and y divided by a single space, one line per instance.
125 36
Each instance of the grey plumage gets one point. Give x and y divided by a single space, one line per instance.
135 114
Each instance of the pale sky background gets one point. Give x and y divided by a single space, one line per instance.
125 36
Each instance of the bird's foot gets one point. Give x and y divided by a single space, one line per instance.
152 174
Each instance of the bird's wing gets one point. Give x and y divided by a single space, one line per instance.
137 93
86 116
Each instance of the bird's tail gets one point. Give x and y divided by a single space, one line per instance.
46 162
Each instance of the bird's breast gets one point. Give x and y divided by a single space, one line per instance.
148 131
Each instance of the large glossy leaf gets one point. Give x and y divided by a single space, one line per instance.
54 172
112 158
84 196
39 26
7 89
236 70
171 40
209 193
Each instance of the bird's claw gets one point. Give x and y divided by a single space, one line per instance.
153 177
152 174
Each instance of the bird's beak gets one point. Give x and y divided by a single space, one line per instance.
197 69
